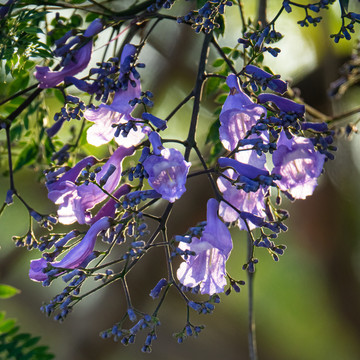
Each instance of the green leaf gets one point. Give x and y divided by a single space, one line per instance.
16 131
31 342
267 69
22 337
212 85
213 135
218 62
91 17
27 156
59 95
220 30
33 30
226 50
215 151
221 98
200 3
235 55
20 83
76 21
7 291
7 325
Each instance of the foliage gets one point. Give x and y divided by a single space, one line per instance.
13 343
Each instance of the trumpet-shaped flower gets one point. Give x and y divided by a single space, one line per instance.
251 202
207 267
118 112
76 257
76 201
299 165
238 115
78 62
167 170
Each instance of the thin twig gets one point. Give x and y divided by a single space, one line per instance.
19 93
251 318
223 55
197 93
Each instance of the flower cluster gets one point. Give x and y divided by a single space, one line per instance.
268 150
205 19
246 181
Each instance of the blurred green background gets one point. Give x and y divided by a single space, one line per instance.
307 306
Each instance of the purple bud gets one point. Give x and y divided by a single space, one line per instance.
108 173
321 127
277 85
156 143
242 169
131 314
36 215
155 292
285 105
9 197
160 124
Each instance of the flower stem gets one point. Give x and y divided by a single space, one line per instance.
251 318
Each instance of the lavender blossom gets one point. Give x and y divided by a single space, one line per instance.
238 115
251 202
76 201
76 257
207 267
78 62
167 170
117 113
299 164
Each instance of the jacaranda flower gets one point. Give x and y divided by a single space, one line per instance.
266 79
76 257
299 164
238 115
117 113
207 267
283 104
167 170
79 61
251 201
76 201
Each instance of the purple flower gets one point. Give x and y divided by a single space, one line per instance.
117 113
109 208
283 104
76 257
36 269
299 164
263 77
251 202
238 115
167 170
78 62
207 267
76 201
